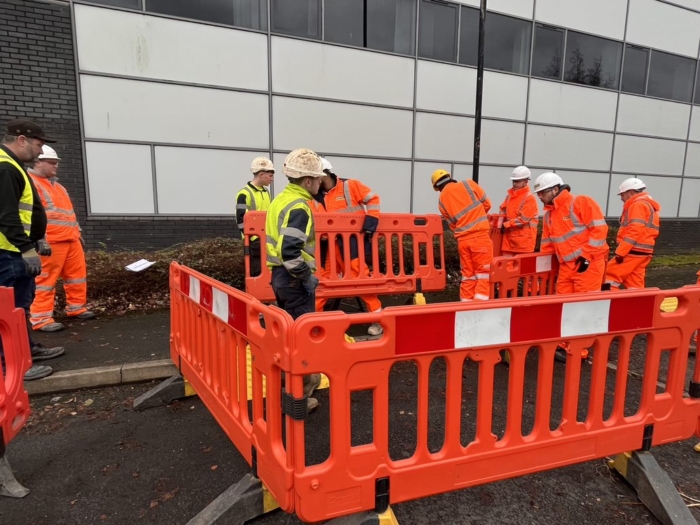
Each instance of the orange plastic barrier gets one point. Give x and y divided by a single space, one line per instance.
14 401
409 250
495 223
525 275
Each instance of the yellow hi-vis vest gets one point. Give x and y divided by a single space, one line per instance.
255 200
26 203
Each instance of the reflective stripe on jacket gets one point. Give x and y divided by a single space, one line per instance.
464 205
573 227
521 211
250 198
25 205
639 225
62 223
289 227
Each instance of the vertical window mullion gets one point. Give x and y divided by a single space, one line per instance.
646 82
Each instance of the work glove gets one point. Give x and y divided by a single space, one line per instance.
368 235
619 259
582 264
43 247
310 284
32 262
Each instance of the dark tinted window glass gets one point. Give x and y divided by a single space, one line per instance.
131 4
250 13
297 17
671 76
390 24
697 87
438 31
592 60
469 37
634 72
549 50
220 11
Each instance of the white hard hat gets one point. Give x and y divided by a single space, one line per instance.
631 184
48 153
547 180
303 163
327 166
262 164
521 173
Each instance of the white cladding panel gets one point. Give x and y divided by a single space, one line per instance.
340 73
114 189
695 124
568 148
690 198
151 112
425 199
666 191
600 17
648 116
138 45
521 8
662 26
646 155
595 185
692 161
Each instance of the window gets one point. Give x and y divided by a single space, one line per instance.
671 76
220 11
297 17
548 52
438 31
250 13
386 25
592 60
130 4
697 87
634 72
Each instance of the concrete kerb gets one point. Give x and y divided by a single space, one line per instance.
100 376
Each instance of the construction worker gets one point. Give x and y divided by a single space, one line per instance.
349 196
255 197
67 259
290 243
23 228
575 230
521 211
639 228
464 206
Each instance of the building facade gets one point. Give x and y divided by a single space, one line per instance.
160 105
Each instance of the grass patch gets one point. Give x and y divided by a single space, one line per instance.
670 261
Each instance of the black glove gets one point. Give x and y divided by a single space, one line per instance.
310 284
43 247
619 259
32 262
368 235
583 264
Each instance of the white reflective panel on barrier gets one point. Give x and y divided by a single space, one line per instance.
120 178
600 17
690 198
692 161
646 155
521 8
568 148
502 142
341 128
425 198
595 185
152 112
570 105
201 181
138 45
662 26
648 116
695 124
326 71
389 179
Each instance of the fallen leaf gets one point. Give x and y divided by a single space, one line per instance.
206 450
135 474
73 413
214 467
88 402
153 504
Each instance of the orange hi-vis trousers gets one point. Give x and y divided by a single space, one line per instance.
630 273
67 261
372 301
475 256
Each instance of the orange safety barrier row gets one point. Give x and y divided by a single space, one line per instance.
14 401
409 250
495 223
525 275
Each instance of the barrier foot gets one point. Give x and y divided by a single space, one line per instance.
367 518
9 486
654 488
241 502
173 388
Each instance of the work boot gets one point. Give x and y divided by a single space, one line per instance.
375 329
311 383
85 316
52 327
37 372
41 353
311 404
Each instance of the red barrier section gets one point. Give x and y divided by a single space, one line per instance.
523 275
409 248
14 401
495 222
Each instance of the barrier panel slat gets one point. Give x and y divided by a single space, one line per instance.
14 401
408 250
213 327
477 333
495 223
523 275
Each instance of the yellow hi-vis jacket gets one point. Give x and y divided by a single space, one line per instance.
250 198
26 204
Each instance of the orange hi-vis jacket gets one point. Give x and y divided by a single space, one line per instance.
521 211
62 223
574 227
639 226
350 195
464 205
